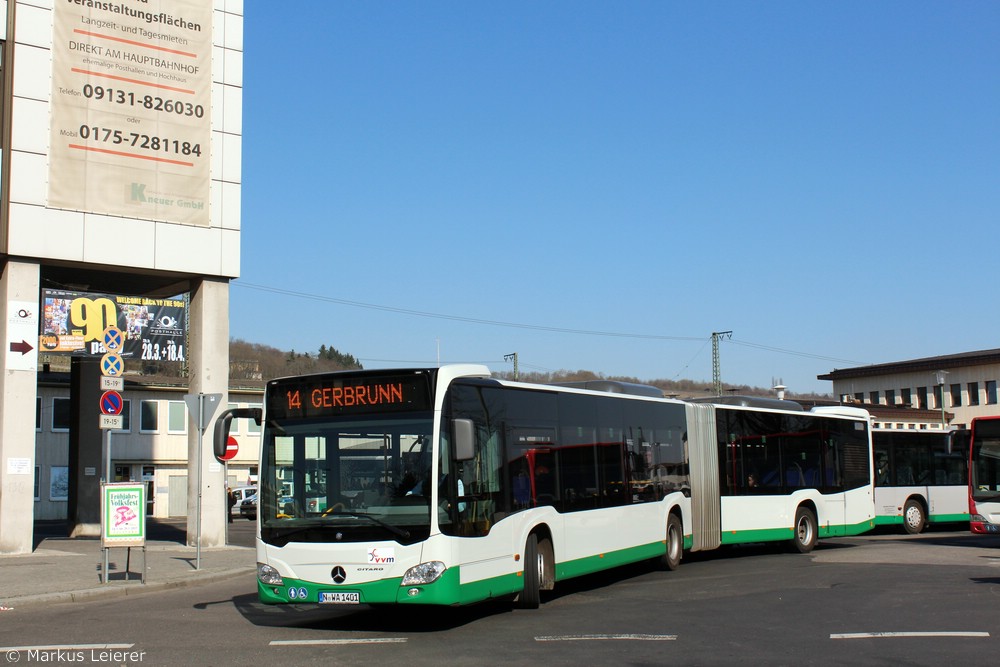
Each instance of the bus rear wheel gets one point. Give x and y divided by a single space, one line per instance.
805 530
914 519
671 559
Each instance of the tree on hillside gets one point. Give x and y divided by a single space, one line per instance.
255 362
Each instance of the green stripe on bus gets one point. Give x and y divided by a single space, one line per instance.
779 534
897 520
591 564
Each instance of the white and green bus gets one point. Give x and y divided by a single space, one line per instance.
921 477
447 486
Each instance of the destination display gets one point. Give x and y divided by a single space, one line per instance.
340 394
75 323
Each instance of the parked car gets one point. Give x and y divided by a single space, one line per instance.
240 494
248 508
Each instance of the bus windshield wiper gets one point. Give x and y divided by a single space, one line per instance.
405 534
300 528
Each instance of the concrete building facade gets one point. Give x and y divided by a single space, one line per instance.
120 173
955 387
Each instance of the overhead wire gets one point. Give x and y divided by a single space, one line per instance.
533 327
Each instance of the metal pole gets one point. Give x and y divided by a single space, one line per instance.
107 479
201 420
942 406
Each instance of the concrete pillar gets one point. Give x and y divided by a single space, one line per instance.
86 449
19 296
208 369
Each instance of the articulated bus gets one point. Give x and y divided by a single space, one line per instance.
921 477
984 475
447 486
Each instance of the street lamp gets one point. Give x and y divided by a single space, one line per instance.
940 379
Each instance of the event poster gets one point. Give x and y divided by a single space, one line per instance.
74 323
123 514
130 129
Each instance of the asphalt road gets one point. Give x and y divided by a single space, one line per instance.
882 599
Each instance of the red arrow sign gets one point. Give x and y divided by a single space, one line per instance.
232 449
24 347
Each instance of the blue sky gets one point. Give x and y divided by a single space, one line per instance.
458 181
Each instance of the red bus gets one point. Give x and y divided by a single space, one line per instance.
984 476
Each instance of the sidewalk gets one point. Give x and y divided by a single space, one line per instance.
61 569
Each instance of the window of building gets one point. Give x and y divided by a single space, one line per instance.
60 414
991 392
956 395
904 395
234 425
973 389
938 399
38 413
873 395
859 397
890 397
126 415
38 476
922 398
59 483
176 417
252 426
149 413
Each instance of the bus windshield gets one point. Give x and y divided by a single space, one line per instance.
346 479
985 468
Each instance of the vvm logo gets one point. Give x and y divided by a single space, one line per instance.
381 557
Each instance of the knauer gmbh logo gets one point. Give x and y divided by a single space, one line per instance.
139 195
338 574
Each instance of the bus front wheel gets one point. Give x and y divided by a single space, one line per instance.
914 519
805 530
538 571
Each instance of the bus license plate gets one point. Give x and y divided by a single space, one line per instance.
327 597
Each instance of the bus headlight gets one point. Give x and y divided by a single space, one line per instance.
268 575
424 573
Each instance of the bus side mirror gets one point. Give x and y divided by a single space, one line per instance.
221 435
463 436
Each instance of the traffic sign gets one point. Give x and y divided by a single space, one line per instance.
111 403
112 364
201 408
112 383
232 449
112 422
113 339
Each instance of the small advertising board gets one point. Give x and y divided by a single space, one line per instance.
123 514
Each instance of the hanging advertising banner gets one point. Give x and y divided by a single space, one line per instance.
130 129
76 323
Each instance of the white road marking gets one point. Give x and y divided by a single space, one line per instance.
68 647
335 642
880 635
583 638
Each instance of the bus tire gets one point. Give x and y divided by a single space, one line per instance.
671 559
805 530
914 518
531 596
